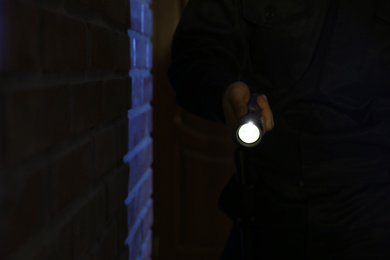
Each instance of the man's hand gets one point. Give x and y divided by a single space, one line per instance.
235 100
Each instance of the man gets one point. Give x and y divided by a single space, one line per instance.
323 69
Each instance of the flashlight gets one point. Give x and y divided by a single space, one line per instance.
250 129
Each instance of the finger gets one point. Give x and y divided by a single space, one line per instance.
266 118
235 101
238 97
239 107
230 116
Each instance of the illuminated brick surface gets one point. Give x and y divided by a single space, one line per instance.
75 125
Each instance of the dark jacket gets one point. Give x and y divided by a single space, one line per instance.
325 68
330 96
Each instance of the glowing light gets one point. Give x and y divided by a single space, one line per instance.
249 133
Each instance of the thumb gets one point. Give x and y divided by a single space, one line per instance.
239 107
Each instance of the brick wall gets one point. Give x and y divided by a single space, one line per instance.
75 123
138 202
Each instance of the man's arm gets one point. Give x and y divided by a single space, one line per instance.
235 100
206 55
208 50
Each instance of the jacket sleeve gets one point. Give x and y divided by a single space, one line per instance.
207 54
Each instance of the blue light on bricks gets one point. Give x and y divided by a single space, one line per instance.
148 54
146 247
140 155
142 18
134 52
135 190
140 218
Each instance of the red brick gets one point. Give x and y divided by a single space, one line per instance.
105 150
34 120
115 98
72 173
103 48
59 247
3 152
122 139
117 190
123 52
124 254
86 105
122 227
88 223
23 210
118 10
132 213
93 4
26 1
107 249
19 34
64 43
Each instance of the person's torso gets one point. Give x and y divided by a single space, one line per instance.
329 84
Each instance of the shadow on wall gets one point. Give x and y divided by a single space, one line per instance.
75 88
